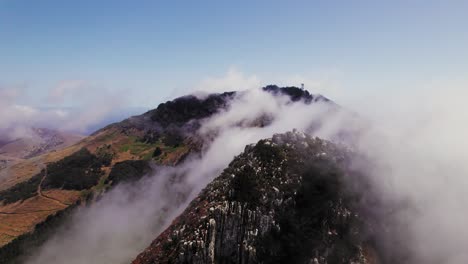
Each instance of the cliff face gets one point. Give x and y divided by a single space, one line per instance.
282 200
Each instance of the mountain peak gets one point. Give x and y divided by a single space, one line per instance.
295 93
255 192
183 109
282 200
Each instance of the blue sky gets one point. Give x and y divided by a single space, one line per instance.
148 49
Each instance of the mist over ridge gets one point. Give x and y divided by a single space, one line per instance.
408 164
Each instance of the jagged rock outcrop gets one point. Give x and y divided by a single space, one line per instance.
282 200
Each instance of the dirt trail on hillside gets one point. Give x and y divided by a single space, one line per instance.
39 191
61 205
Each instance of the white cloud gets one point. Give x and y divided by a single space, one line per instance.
320 82
90 106
122 224
416 142
418 156
233 80
65 88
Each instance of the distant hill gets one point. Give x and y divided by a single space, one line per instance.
37 142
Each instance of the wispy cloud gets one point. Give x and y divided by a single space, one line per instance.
233 80
416 142
91 105
64 89
116 228
417 156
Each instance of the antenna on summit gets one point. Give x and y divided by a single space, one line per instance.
302 86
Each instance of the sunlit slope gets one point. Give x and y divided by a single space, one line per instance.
79 173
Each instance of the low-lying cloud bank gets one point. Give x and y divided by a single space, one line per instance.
418 156
421 156
92 109
118 227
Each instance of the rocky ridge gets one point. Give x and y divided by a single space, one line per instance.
282 200
163 136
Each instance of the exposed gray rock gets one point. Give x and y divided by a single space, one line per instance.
282 200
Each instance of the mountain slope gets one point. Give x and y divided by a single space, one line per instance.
163 136
282 200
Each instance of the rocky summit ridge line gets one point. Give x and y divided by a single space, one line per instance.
77 175
283 200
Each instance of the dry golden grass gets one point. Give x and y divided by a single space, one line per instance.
19 172
64 196
173 157
21 217
24 170
115 139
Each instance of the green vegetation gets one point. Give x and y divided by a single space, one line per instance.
294 93
150 137
19 249
129 170
108 136
172 139
79 171
184 109
166 151
101 185
157 152
105 154
22 191
140 148
146 150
